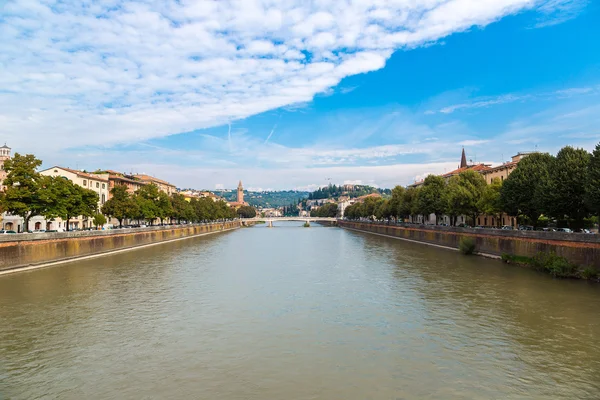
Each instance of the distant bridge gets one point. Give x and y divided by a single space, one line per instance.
270 220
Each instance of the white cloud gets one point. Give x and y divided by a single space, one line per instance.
124 71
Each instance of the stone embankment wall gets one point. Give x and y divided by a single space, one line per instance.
22 250
580 249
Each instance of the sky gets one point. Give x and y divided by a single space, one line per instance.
295 94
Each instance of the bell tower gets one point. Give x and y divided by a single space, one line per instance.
240 193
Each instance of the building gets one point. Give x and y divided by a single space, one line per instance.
98 183
489 173
463 166
240 198
117 178
4 155
163 186
504 170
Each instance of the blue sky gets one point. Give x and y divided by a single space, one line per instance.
282 95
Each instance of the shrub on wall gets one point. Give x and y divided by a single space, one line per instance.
466 245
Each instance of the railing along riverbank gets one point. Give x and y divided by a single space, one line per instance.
578 248
28 250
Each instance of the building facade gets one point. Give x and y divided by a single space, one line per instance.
163 186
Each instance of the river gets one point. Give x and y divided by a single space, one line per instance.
296 313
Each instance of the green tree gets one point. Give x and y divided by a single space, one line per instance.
431 197
463 195
246 212
408 203
25 194
99 220
147 198
121 204
395 205
69 200
179 205
164 206
524 191
565 195
490 203
592 193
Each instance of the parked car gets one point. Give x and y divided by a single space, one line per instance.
586 231
565 230
39 231
525 227
7 232
507 228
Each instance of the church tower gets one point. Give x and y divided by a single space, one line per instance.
240 193
4 155
463 159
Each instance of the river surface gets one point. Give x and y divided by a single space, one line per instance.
296 313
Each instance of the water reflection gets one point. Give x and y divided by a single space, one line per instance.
291 312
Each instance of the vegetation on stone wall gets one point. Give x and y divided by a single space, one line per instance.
466 245
551 263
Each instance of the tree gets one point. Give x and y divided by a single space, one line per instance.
431 197
24 195
164 206
99 220
121 205
565 195
592 193
408 203
179 206
524 191
395 205
246 212
69 200
490 203
147 198
463 194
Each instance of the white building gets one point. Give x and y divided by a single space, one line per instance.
95 182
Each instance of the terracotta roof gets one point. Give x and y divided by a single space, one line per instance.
476 168
145 177
481 168
500 167
119 177
81 174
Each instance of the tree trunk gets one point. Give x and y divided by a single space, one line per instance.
67 223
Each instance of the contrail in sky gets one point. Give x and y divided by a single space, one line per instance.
271 134
229 136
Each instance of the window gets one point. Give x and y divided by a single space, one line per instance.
97 185
501 177
103 186
84 182
56 171
103 197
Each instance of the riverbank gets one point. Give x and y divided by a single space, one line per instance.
579 250
26 252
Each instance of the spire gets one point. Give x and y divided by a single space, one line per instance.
240 184
463 159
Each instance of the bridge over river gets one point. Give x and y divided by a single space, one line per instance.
271 220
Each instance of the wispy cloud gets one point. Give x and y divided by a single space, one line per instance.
485 102
554 12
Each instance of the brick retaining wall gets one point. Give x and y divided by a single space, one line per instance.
580 249
30 249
